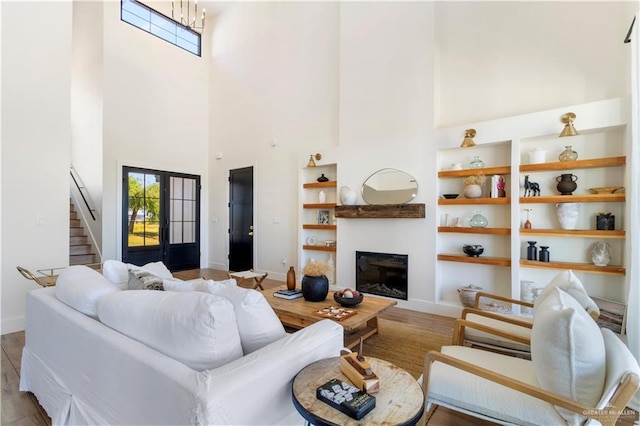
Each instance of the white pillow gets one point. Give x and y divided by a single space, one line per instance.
197 329
158 269
197 284
568 352
568 282
116 273
257 323
81 287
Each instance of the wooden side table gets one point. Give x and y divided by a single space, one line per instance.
247 275
400 400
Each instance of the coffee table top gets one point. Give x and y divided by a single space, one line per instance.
300 313
400 400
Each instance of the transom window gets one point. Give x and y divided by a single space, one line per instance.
154 22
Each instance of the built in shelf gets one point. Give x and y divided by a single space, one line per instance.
581 198
462 201
584 267
464 230
319 248
482 260
322 227
319 206
578 164
502 170
328 184
581 233
381 211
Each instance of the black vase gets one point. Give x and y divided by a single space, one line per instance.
532 253
315 289
566 183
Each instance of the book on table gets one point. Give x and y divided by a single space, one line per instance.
287 294
346 398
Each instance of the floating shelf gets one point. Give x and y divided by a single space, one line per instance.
584 267
578 164
319 206
582 198
502 170
582 233
465 230
462 201
314 226
328 184
483 260
319 248
380 211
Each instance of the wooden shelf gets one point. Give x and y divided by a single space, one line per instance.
328 184
319 206
581 198
582 233
584 267
380 211
462 201
578 164
314 226
465 230
319 248
502 170
483 260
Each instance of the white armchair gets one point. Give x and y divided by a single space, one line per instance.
579 373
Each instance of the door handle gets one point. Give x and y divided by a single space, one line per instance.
250 234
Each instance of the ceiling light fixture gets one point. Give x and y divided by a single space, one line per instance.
468 142
568 129
189 22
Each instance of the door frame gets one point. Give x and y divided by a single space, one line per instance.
256 227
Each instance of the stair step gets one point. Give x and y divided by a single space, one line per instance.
81 259
76 231
74 222
75 240
73 215
80 249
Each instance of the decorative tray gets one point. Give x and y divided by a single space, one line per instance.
337 313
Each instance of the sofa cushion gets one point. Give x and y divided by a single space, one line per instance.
197 329
197 284
142 279
568 282
257 323
567 351
118 272
81 287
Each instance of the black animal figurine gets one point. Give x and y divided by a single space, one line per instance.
531 188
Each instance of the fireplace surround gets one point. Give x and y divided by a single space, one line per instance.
382 274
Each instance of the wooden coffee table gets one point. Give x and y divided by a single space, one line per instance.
298 313
400 400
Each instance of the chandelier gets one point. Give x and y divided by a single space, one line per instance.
185 9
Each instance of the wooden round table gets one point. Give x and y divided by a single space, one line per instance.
400 400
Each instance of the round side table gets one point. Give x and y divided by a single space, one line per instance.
400 400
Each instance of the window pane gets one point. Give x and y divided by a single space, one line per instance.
135 20
189 210
176 232
151 233
176 188
193 48
163 22
136 9
163 34
189 235
188 36
189 189
176 211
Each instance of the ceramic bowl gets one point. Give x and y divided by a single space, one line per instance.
473 250
450 196
348 302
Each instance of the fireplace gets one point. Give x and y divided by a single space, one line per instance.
383 274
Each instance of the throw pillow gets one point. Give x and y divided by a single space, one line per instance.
568 282
81 287
116 273
158 269
568 352
197 284
257 323
141 279
197 329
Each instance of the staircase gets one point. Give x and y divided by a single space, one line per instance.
80 251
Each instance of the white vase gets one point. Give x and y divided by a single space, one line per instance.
322 197
568 214
347 196
472 191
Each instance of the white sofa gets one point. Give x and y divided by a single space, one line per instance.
84 372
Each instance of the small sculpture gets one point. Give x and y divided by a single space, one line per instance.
531 187
358 370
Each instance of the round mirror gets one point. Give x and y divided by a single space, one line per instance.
389 186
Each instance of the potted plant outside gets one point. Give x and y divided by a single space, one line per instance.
315 284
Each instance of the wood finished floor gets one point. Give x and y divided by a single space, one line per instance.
22 409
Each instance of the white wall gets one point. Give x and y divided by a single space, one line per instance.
36 133
274 75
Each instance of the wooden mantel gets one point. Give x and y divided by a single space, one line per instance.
379 211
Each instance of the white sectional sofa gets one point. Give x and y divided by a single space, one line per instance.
85 372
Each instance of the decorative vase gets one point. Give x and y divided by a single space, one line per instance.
601 254
315 289
347 196
532 251
478 221
566 183
322 178
467 295
568 214
476 163
544 254
322 197
472 191
605 222
291 279
568 154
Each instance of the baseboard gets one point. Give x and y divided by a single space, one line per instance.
11 325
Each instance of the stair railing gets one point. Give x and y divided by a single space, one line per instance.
86 207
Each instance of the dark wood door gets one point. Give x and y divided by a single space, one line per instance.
161 218
241 219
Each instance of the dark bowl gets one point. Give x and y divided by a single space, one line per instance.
450 196
473 250
347 302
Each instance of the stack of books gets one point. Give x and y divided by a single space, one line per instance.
288 294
